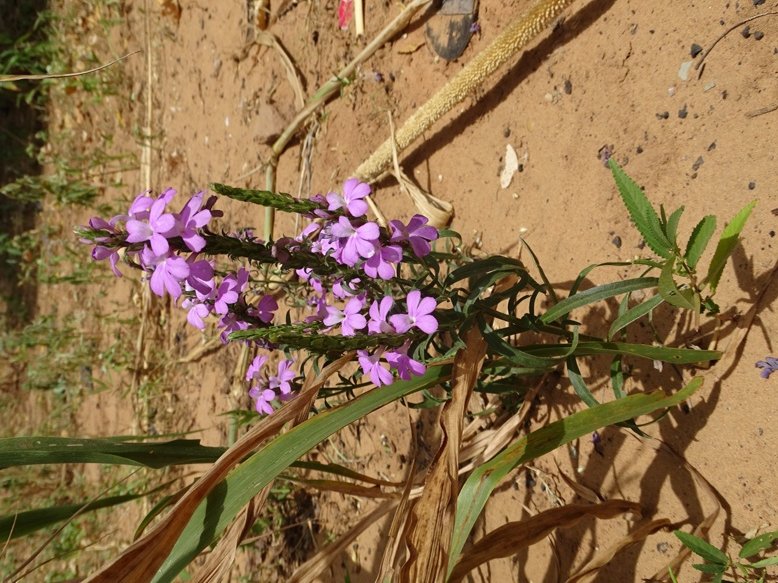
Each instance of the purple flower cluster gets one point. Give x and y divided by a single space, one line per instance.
146 232
350 299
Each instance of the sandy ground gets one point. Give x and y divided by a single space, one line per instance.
607 75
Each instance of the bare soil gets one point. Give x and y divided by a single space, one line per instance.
606 76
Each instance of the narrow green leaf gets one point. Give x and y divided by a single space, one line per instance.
579 385
726 245
243 483
643 214
702 548
758 544
22 451
590 347
671 229
485 478
617 378
764 563
17 525
670 292
633 314
711 568
699 239
596 294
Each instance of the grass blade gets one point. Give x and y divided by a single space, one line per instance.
596 294
484 479
588 348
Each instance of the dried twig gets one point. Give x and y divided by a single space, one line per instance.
4 78
707 51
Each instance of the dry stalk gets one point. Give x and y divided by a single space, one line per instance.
518 34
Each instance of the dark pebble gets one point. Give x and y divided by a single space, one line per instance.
639 149
696 50
771 233
568 87
616 241
751 185
683 112
746 32
663 115
712 147
697 163
521 168
758 35
641 244
758 2
506 133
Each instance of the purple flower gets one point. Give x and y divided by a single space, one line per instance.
769 365
100 252
139 209
355 242
229 291
230 323
353 193
345 290
419 314
201 277
381 264
197 313
350 319
255 367
417 233
373 367
406 367
190 219
263 399
379 312
282 380
159 228
265 308
169 272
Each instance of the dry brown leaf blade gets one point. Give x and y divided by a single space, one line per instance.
510 538
141 560
428 534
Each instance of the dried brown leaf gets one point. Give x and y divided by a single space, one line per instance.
141 560
510 538
428 530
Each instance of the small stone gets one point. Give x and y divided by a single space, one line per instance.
758 2
771 233
683 112
758 35
746 32
697 163
751 185
684 70
639 149
710 85
712 147
663 115
662 548
568 86
616 242
671 91
506 133
696 50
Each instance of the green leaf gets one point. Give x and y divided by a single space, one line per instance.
588 348
643 214
711 568
764 563
579 385
485 478
671 228
699 239
596 294
670 292
702 548
23 523
758 544
243 483
634 314
22 451
726 246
